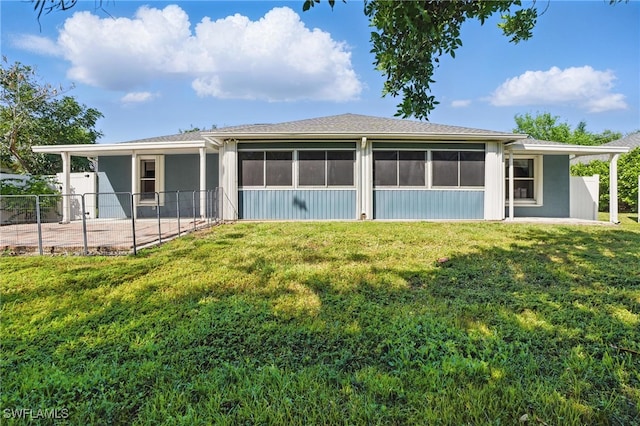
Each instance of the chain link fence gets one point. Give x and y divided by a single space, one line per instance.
103 223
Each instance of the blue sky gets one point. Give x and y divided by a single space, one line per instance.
153 68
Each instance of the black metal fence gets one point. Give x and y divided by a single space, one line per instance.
107 223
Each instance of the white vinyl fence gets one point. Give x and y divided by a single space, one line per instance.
584 195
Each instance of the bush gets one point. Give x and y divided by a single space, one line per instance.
628 172
33 185
22 209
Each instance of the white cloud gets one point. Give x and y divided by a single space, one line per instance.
274 58
583 87
138 97
462 103
36 44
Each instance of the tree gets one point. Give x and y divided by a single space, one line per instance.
411 36
546 127
35 113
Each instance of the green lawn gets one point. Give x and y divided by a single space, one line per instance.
332 323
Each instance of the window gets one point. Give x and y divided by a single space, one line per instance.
340 168
385 168
251 168
527 180
411 168
315 168
257 168
311 168
150 178
399 168
458 168
471 168
325 168
278 170
445 168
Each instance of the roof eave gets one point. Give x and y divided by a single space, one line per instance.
577 150
126 148
480 137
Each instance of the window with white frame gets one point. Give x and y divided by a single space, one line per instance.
457 168
527 180
150 177
314 168
449 169
326 168
399 168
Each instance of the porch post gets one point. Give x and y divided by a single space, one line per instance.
66 186
365 186
203 182
494 195
134 183
229 179
511 185
613 188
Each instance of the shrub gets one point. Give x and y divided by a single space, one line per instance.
24 207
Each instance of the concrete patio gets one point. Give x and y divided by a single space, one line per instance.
103 236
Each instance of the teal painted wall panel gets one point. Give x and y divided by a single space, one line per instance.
283 204
428 204
182 172
555 187
114 175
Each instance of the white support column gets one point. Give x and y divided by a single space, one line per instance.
365 187
613 188
203 182
66 186
511 185
134 182
229 179
494 198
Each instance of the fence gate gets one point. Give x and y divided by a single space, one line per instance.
584 193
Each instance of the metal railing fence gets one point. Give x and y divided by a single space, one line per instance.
106 223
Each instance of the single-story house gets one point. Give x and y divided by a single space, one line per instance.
348 167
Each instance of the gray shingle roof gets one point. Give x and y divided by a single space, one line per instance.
354 123
180 137
335 124
631 141
531 141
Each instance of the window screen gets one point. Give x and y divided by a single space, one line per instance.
340 168
411 166
278 168
522 189
471 168
311 168
147 179
385 168
251 168
523 178
148 169
445 168
522 168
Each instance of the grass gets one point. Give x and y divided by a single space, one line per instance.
332 323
